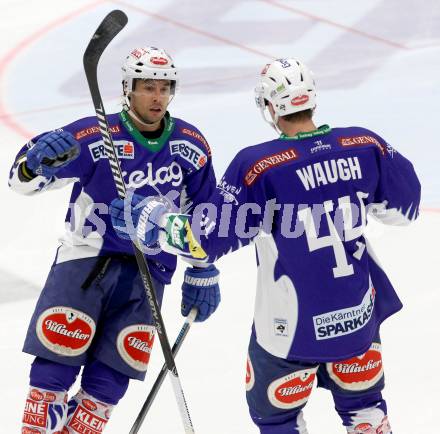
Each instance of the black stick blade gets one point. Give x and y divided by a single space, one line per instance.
110 26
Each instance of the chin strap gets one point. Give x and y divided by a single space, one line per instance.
273 123
126 107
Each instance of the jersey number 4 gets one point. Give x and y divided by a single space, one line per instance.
340 227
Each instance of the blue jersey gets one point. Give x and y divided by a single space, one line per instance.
304 201
177 164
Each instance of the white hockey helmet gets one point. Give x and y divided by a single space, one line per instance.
148 63
288 85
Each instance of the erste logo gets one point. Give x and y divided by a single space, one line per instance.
124 150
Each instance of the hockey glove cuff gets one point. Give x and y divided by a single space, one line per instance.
200 289
52 152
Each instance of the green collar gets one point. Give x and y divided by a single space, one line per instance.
323 129
152 145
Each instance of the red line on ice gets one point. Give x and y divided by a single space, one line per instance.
194 29
6 117
335 24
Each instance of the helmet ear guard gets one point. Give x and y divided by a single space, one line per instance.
288 85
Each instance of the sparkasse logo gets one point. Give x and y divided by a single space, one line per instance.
124 150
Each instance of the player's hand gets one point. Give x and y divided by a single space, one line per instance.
200 289
137 216
52 152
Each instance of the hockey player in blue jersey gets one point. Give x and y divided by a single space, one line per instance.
92 311
304 199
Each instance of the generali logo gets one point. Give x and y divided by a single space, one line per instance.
94 130
358 373
267 163
292 390
362 140
65 331
197 136
134 344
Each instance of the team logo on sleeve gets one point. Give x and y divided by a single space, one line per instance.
197 136
134 345
250 376
358 373
292 390
65 331
267 163
189 152
124 150
362 140
94 130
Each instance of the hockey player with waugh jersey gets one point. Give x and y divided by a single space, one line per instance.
92 311
304 198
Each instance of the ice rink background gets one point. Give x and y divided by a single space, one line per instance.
377 64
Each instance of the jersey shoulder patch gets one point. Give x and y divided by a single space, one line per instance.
262 158
188 144
189 131
87 129
353 137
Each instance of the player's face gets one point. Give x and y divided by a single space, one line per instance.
150 99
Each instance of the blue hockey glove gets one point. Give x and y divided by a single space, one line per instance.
139 219
200 289
52 152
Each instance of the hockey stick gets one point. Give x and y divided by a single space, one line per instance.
112 24
159 380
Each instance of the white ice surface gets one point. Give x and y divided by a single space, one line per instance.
390 85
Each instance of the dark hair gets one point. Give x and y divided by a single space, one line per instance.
304 115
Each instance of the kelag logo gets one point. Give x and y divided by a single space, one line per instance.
124 150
